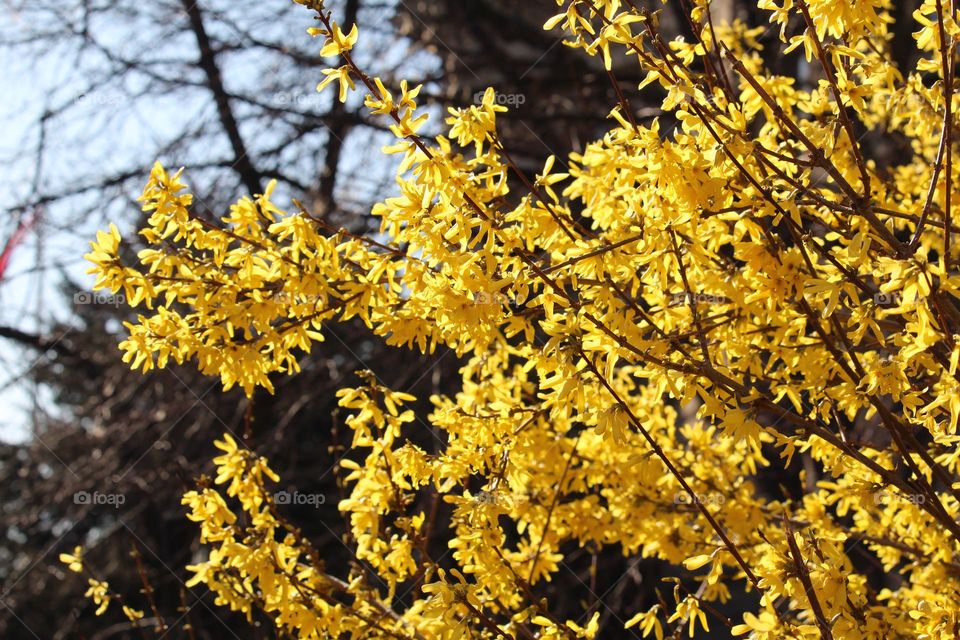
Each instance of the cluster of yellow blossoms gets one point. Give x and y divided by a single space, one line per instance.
99 591
641 333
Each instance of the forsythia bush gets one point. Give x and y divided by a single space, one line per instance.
642 332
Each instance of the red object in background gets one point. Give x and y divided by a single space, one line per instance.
23 228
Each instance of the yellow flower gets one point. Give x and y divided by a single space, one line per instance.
648 621
342 75
132 614
755 284
74 560
613 423
338 43
99 593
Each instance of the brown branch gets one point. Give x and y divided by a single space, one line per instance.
804 574
845 121
251 177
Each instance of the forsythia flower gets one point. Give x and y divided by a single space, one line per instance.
99 593
338 43
341 75
640 335
648 622
73 560
132 614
